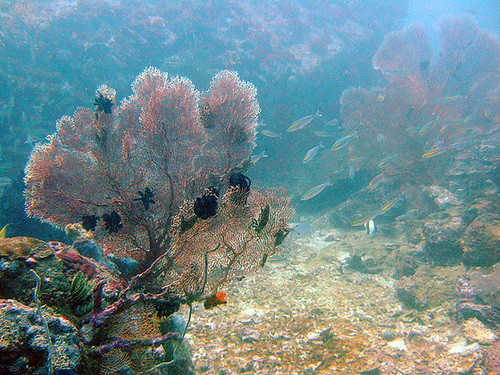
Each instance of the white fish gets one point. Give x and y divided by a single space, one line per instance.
255 158
270 133
299 124
324 133
341 142
312 153
333 122
352 172
370 227
316 190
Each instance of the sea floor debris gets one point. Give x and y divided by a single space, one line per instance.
309 314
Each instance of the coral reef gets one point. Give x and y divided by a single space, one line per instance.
220 249
147 191
481 241
442 234
431 118
155 139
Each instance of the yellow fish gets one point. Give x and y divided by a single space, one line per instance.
434 152
365 219
316 190
299 124
4 231
389 205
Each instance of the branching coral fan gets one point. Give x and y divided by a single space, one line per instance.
132 174
434 115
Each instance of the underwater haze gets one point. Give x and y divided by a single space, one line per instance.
240 187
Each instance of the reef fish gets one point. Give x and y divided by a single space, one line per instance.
316 190
217 299
342 142
312 153
387 161
370 227
304 121
365 219
434 152
270 134
390 204
3 232
255 158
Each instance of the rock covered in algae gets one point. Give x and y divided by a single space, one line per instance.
442 234
482 241
57 264
486 285
428 288
24 348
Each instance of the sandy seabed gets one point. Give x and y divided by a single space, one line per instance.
306 312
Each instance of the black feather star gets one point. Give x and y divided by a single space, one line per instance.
146 198
89 222
103 104
205 206
112 222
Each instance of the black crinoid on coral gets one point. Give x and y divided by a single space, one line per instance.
112 222
205 206
146 198
89 222
103 104
242 183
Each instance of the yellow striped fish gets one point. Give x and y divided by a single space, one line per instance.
312 153
390 204
434 152
316 190
364 220
3 232
304 121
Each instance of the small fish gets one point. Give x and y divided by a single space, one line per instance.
301 230
316 190
386 161
352 172
434 152
312 153
428 125
370 227
324 133
375 180
365 219
270 134
469 118
333 122
390 204
491 99
353 130
3 232
450 99
341 143
214 300
304 121
255 158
